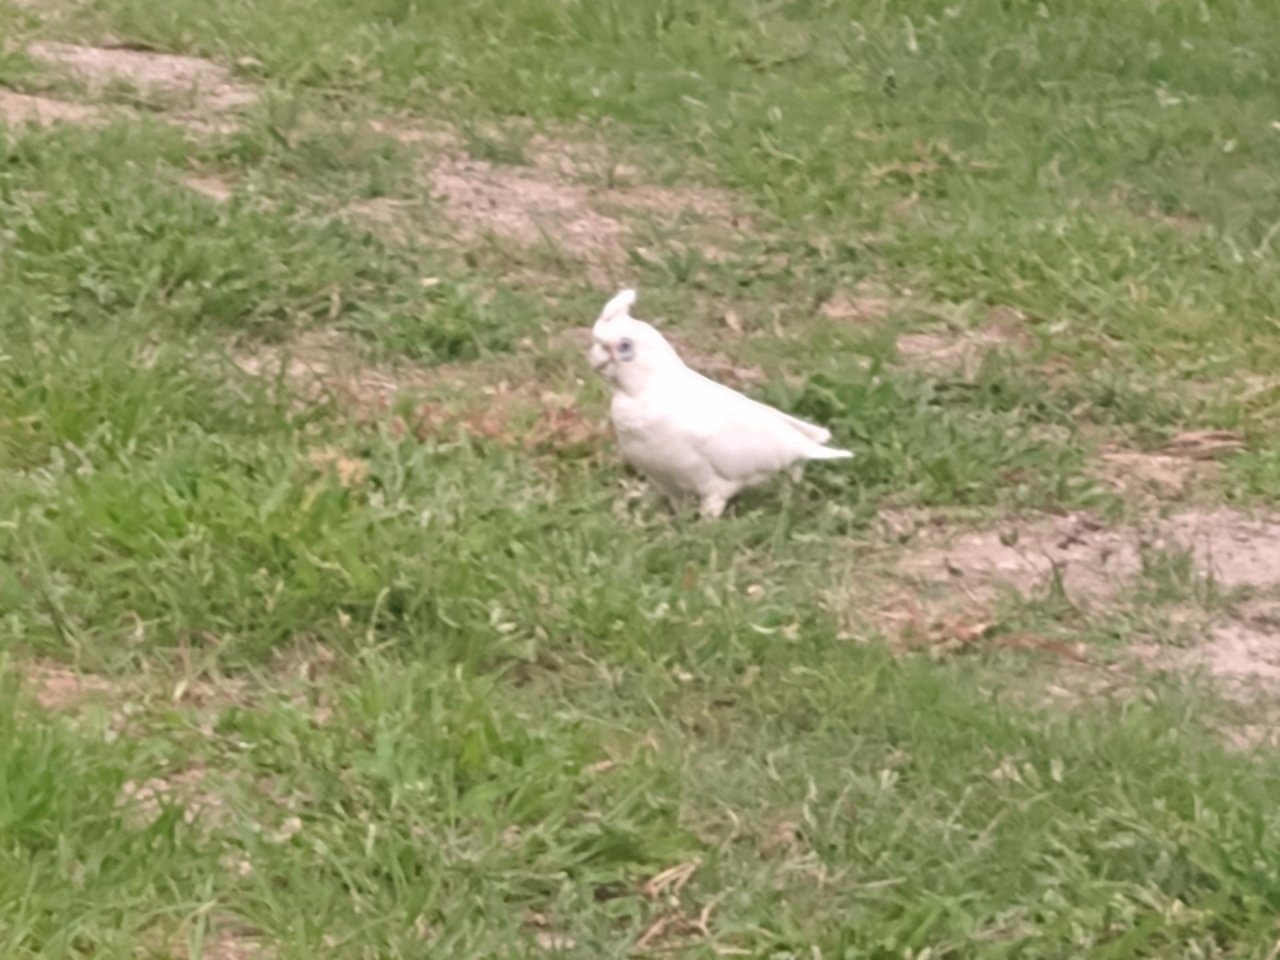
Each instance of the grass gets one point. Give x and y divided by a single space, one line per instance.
474 702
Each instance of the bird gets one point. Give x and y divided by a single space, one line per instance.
689 435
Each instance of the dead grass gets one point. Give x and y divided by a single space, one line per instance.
218 189
1201 445
867 302
349 471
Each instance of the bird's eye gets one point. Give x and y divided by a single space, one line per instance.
626 349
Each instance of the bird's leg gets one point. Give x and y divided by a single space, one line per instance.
679 505
675 498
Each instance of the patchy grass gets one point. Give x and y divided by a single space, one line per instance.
333 627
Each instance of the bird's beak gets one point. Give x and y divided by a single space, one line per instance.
599 357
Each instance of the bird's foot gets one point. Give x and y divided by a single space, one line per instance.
712 505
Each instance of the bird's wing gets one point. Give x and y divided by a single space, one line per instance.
740 438
809 430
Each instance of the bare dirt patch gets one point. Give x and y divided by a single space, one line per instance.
954 579
535 206
570 197
59 688
1187 463
1022 555
208 88
1094 560
1242 653
524 205
1151 477
17 109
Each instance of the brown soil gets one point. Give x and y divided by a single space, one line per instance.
212 86
951 579
1153 477
537 205
17 109
1235 549
59 688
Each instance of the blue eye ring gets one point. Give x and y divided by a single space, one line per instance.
626 349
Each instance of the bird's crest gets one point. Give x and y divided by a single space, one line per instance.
619 306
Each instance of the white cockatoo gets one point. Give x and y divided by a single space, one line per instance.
688 434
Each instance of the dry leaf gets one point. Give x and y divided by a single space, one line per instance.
554 942
783 835
350 471
843 305
1204 444
671 880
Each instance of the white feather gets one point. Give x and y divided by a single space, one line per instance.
619 306
688 434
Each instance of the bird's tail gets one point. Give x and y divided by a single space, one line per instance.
829 453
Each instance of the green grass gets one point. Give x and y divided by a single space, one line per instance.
534 697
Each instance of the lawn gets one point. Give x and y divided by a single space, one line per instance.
332 625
